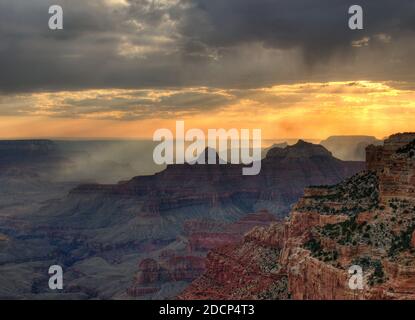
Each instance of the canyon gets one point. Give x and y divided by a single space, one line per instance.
147 237
366 220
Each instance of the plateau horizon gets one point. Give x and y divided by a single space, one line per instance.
244 149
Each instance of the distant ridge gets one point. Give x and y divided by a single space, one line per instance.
350 147
301 149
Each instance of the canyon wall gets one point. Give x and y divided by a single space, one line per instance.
367 221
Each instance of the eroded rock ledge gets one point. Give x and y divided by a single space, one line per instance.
367 220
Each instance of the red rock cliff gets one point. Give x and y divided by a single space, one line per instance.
367 221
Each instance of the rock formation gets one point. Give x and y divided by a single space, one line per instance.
367 221
185 259
156 229
285 173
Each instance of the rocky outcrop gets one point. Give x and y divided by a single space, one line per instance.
302 149
395 166
249 271
185 260
285 173
377 156
152 272
366 221
374 158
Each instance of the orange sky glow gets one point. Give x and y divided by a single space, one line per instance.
305 110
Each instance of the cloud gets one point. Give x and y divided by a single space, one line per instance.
117 104
308 110
319 28
156 44
178 103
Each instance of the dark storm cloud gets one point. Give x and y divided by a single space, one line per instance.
215 43
318 27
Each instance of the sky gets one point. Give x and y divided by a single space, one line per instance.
125 68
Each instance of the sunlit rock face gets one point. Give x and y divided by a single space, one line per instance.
367 220
395 166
